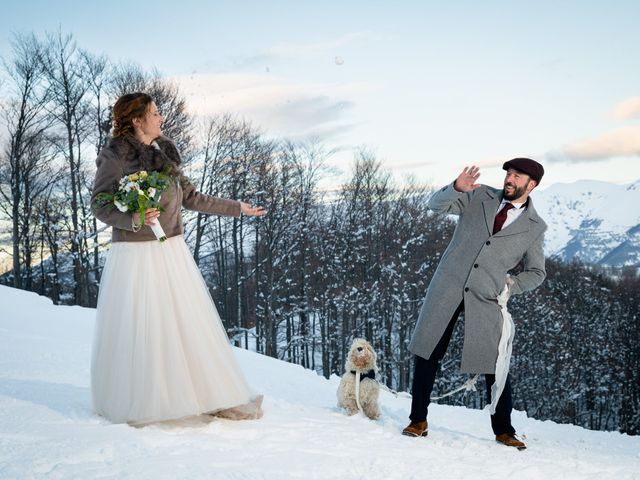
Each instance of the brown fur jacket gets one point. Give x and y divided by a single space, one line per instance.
125 155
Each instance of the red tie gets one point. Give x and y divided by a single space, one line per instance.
501 217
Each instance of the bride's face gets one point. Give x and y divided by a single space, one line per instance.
150 124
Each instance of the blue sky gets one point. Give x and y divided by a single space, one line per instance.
428 87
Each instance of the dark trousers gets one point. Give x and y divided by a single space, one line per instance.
424 376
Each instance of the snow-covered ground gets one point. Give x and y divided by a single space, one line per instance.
47 429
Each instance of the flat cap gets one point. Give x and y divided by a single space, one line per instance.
526 165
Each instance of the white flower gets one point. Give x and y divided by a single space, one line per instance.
120 206
131 186
151 192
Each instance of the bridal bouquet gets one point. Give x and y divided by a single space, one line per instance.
139 192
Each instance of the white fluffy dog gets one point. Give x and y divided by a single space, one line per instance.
361 359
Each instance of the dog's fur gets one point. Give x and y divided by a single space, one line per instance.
361 359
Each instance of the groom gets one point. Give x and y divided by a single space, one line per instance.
497 229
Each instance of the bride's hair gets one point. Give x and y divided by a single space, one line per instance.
126 108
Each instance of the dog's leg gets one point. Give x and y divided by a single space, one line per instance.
350 403
346 398
369 399
352 409
371 410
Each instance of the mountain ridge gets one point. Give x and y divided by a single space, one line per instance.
585 225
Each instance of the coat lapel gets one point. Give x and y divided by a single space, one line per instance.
521 225
490 205
523 222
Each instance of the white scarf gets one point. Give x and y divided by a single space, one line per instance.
504 351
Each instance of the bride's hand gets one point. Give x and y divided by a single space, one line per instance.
254 211
150 216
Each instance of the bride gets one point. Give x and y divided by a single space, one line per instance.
160 351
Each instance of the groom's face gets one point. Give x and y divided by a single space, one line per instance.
517 185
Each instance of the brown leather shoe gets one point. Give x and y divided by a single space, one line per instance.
510 440
416 429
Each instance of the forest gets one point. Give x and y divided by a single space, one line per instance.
323 267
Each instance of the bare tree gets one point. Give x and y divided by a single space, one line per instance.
49 218
25 123
273 249
99 74
214 147
307 166
229 153
68 78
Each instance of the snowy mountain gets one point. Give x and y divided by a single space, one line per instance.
595 222
47 429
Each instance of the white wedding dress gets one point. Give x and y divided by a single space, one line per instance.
160 350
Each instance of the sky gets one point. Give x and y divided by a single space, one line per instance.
428 87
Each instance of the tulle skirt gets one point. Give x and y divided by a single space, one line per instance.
160 351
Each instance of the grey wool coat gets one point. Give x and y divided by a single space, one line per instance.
126 155
474 269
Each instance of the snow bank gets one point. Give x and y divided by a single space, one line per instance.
47 429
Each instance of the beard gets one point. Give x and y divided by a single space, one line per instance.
516 192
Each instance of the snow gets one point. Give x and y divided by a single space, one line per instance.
47 429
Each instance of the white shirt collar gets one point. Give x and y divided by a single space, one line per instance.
516 206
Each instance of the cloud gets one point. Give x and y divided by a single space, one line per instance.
627 109
313 110
618 143
299 51
306 50
621 142
280 107
411 165
292 52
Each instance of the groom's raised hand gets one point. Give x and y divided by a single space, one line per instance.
466 181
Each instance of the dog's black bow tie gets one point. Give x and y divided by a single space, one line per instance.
370 374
